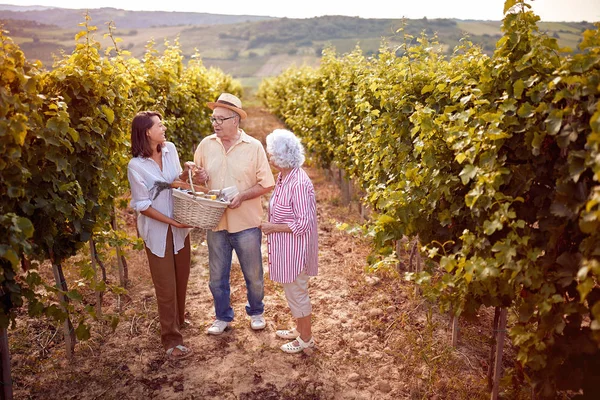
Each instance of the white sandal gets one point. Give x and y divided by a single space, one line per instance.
288 334
292 347
185 352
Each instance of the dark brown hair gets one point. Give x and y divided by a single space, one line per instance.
140 146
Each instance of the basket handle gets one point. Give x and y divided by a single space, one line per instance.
190 179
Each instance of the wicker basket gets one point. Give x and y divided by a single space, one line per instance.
197 211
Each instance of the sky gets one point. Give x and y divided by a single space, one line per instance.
547 10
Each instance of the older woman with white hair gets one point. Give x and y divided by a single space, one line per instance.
292 234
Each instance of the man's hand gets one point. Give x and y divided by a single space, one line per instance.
200 176
236 201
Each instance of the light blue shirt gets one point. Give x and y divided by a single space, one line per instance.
142 173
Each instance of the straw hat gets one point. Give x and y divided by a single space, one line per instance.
227 100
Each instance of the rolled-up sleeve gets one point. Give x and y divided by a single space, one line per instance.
176 157
264 175
303 207
140 195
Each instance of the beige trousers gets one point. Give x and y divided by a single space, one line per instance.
296 294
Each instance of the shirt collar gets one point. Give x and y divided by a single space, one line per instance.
244 137
289 176
164 150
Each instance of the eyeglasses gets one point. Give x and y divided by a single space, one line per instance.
219 121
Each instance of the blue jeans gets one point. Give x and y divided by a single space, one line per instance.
246 244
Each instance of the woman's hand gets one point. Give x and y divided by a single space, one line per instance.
153 213
187 166
180 225
268 227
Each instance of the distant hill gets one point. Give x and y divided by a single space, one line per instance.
10 7
251 47
68 18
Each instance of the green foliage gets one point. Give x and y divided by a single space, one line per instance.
226 37
65 145
180 93
19 83
492 161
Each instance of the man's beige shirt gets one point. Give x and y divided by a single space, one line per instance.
243 166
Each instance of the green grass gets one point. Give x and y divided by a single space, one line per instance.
251 53
238 68
559 26
569 40
250 85
480 27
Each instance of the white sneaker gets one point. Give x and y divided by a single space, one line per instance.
257 322
217 327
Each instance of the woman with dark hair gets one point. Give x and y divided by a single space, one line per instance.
167 241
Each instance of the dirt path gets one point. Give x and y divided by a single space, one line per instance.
375 339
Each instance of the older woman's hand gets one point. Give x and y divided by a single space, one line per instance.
267 228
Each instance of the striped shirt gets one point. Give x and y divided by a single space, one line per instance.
293 203
142 173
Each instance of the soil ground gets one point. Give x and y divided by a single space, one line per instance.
376 339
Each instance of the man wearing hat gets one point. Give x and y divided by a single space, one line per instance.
230 157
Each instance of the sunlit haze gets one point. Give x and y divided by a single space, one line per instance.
548 10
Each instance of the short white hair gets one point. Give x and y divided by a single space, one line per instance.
285 149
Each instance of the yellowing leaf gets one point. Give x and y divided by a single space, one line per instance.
460 157
490 227
508 4
427 88
468 276
525 111
468 173
554 122
518 88
585 287
109 113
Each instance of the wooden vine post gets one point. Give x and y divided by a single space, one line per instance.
69 332
414 262
123 273
501 333
490 371
345 188
95 268
7 392
454 329
398 246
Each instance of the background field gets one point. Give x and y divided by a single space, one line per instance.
249 47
